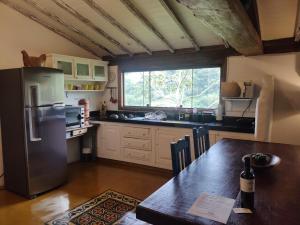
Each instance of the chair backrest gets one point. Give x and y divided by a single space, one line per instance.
201 140
181 154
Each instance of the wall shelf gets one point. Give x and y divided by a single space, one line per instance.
236 99
83 90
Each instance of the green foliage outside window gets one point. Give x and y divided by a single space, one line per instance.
191 88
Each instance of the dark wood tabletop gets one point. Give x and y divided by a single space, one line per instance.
277 194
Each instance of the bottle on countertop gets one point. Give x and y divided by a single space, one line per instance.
247 185
103 109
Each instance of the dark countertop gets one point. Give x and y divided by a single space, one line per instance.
218 126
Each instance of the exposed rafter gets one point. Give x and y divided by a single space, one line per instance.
50 27
175 18
100 11
226 44
297 27
89 23
228 19
67 26
147 23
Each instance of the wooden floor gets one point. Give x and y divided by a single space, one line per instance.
86 180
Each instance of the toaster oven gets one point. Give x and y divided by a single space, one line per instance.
74 116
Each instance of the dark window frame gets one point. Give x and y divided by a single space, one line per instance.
223 70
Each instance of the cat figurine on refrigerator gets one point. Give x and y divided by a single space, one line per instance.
32 61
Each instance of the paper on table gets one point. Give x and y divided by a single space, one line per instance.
212 207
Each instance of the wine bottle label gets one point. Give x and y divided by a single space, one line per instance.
247 185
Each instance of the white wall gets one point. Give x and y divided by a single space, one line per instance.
113 71
285 68
18 33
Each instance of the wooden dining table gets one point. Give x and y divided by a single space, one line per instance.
217 172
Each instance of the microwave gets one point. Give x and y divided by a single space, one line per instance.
74 116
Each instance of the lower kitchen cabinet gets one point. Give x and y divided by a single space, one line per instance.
108 138
149 145
215 136
163 138
136 144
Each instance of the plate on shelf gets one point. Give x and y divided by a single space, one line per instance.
262 160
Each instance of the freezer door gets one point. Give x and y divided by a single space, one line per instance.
43 86
46 148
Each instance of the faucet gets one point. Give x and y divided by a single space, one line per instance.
180 113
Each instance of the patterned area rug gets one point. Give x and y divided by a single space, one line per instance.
106 209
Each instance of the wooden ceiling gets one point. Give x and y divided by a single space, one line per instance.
128 27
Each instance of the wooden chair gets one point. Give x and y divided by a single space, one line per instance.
201 140
181 154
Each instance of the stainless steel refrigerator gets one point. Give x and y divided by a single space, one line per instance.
33 129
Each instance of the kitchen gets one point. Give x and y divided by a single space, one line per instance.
146 40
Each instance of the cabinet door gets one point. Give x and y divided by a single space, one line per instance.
164 137
163 149
66 64
234 135
99 70
109 141
82 69
212 137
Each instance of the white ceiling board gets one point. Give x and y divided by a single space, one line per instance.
118 11
277 18
202 35
102 23
161 20
71 20
44 19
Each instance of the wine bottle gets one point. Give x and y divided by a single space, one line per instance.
247 186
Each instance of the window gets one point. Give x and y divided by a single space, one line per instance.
191 88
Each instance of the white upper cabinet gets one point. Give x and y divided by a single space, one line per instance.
63 62
99 70
83 69
79 68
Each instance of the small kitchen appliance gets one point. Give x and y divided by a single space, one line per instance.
74 116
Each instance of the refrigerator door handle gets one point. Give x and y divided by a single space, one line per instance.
32 127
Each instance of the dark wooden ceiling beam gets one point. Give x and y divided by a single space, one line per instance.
179 23
209 56
66 25
297 26
131 7
50 27
100 11
89 23
229 20
283 45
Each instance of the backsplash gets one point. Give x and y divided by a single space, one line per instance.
95 99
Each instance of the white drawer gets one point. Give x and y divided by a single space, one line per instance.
137 156
137 132
136 143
